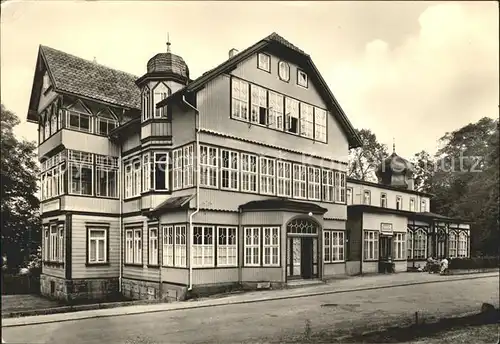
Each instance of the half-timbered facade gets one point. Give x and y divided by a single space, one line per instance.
159 186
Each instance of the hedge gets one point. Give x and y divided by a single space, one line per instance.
474 263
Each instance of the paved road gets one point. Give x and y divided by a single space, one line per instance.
270 319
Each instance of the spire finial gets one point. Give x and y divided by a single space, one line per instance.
393 145
168 42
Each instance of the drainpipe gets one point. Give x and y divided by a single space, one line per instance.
191 231
120 192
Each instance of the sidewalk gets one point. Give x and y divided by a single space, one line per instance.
332 287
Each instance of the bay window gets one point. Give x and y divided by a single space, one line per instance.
370 244
153 246
208 166
188 166
240 98
328 186
292 115
229 170
267 175
284 176
146 104
258 108
320 117
177 169
252 246
161 171
80 173
399 246
203 246
227 246
160 92
248 172
306 120
333 246
107 176
271 246
97 245
276 103
314 184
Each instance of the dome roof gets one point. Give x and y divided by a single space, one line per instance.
395 165
168 63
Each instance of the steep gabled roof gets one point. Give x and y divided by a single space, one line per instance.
73 75
275 41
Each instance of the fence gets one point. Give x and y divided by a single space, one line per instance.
20 284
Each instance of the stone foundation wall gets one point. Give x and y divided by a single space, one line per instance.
53 287
140 290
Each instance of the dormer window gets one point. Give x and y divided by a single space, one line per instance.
264 62
160 92
284 71
302 78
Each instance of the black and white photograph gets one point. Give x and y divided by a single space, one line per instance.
250 172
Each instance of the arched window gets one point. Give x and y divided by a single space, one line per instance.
463 245
146 104
161 91
441 241
409 244
452 242
420 244
302 226
105 122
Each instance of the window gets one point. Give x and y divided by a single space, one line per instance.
54 244
80 173
229 170
452 242
420 244
180 246
46 128
399 246
188 166
146 172
168 246
208 166
412 204
320 124
339 187
107 176
306 120
105 122
333 246
133 246
138 246
78 121
128 180
239 94
302 78
203 246
284 71
349 196
136 177
177 169
299 181
462 245
267 175
314 183
161 171
258 108
271 246
146 104
367 197
153 246
248 172
423 205
160 92
264 62
61 114
399 203
227 248
383 200
46 245
52 176
328 186
276 104
292 115
409 245
252 246
97 249
370 245
284 179
53 120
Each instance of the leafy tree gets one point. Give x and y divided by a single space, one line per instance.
424 165
19 205
364 160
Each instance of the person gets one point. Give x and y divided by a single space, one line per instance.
444 266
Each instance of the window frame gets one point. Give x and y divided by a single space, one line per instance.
334 246
373 255
369 193
299 185
383 200
306 120
224 250
249 172
399 202
282 179
282 63
166 165
240 99
210 247
267 174
399 246
153 253
180 246
254 245
340 187
177 169
104 239
233 158
209 165
299 72
314 183
259 62
168 252
273 245
107 165
188 166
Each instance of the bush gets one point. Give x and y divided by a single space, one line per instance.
474 263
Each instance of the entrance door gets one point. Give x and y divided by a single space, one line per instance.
301 260
306 266
385 249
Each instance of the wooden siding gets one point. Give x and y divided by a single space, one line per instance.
259 274
334 224
46 99
262 218
248 70
256 148
215 217
214 276
375 192
214 105
132 141
79 247
373 221
90 143
183 126
156 129
52 205
176 217
173 275
90 204
48 145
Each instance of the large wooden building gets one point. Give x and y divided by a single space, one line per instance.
160 186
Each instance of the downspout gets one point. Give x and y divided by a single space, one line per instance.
121 186
191 231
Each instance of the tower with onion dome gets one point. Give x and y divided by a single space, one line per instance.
396 172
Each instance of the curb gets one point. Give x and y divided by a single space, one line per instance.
276 298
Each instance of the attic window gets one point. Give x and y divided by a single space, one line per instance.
302 78
284 71
264 62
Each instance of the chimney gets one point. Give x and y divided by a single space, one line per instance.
233 52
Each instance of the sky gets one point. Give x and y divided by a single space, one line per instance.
408 71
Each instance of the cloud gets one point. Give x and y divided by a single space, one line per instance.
437 80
